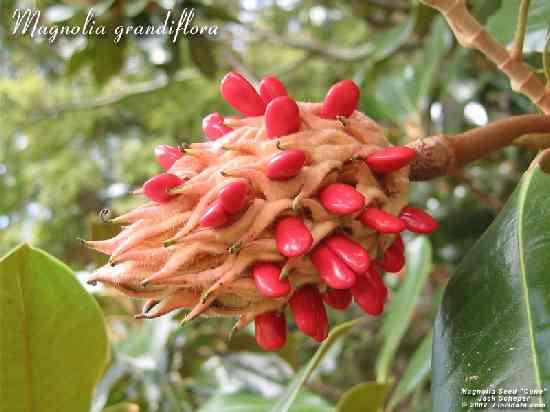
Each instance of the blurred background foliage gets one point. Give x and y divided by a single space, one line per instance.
79 119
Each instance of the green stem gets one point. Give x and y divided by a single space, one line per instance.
546 59
519 39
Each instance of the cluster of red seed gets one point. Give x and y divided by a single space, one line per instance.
318 258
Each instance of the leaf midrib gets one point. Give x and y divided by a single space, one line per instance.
523 272
25 333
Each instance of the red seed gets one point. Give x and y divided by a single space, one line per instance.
286 164
282 117
233 196
418 221
309 312
267 279
292 236
270 330
341 100
399 245
366 297
381 221
166 155
215 216
351 252
332 269
390 159
377 283
270 88
157 187
342 199
337 298
241 95
213 127
394 259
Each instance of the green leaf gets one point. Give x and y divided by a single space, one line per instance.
245 402
399 314
502 24
416 372
404 91
202 54
53 343
365 397
122 407
493 327
289 395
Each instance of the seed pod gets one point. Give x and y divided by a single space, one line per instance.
366 297
213 126
270 330
342 199
157 187
166 155
394 258
233 196
337 298
286 165
241 95
390 159
309 312
418 221
381 221
341 100
282 117
267 279
215 216
351 252
332 269
270 88
292 236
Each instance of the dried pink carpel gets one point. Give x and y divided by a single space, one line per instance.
269 213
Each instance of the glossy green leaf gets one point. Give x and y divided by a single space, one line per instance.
493 326
502 24
416 372
286 399
400 312
365 397
245 402
53 343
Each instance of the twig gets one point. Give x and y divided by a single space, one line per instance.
316 48
485 198
521 26
441 155
471 34
103 101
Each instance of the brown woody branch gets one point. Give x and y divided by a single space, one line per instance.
442 155
471 34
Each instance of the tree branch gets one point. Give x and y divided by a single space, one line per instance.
441 155
135 90
471 34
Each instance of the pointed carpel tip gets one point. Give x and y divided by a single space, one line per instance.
169 242
82 241
343 120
